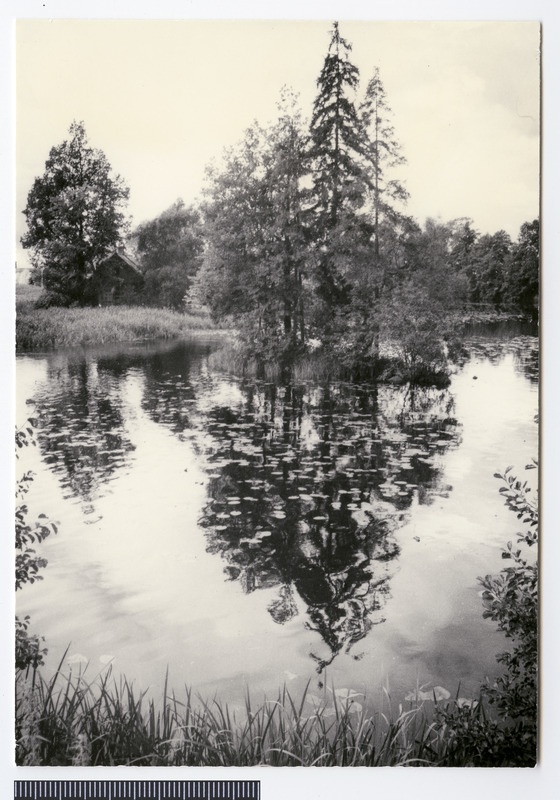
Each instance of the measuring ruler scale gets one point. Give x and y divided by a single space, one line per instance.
137 790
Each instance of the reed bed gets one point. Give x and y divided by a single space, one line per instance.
48 328
318 366
308 367
69 720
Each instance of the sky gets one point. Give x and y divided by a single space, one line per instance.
163 98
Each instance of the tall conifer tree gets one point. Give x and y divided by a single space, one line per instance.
383 153
336 160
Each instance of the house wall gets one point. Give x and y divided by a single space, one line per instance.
117 283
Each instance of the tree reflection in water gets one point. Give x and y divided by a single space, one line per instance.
82 410
307 485
82 430
307 488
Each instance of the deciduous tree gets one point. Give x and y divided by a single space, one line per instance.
75 216
253 266
490 255
170 249
521 284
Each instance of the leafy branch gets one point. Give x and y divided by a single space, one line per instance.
27 562
511 600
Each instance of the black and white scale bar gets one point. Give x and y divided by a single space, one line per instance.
137 790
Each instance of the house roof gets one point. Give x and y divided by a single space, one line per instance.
123 257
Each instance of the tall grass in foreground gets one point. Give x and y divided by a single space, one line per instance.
46 328
70 721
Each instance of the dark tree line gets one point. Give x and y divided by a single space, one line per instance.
301 235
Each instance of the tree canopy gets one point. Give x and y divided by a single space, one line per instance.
170 249
75 216
306 236
255 254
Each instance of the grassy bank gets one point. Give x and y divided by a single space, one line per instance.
68 721
48 328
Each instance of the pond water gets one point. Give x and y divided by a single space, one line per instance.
246 534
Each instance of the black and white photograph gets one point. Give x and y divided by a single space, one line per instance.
277 387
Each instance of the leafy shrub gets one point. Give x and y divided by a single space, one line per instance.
29 651
28 563
511 600
50 299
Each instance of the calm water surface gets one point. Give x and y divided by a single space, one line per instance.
243 533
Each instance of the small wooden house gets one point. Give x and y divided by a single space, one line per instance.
118 280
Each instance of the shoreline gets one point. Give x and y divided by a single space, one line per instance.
48 330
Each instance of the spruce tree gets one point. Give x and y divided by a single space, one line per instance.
383 153
336 162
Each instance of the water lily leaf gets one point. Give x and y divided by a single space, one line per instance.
312 698
77 658
466 702
347 693
418 696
